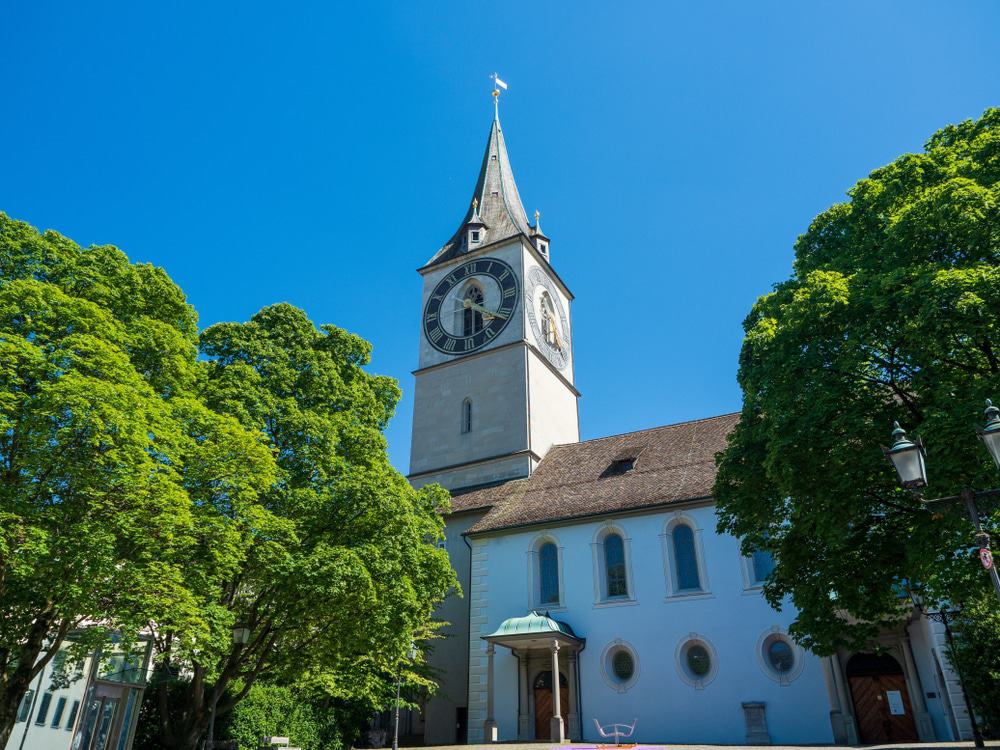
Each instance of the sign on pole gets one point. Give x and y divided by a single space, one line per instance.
986 557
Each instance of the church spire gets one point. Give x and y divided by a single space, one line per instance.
496 202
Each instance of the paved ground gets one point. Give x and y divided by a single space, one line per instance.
644 746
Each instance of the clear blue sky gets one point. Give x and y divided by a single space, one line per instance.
317 153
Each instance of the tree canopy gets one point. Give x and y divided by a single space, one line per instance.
158 480
892 313
334 568
104 449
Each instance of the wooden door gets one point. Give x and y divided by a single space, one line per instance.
876 706
543 704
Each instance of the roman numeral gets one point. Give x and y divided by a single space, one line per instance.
490 333
449 345
452 280
469 345
504 275
472 268
509 292
435 335
437 298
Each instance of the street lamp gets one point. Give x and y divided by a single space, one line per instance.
907 457
990 434
412 655
946 616
240 634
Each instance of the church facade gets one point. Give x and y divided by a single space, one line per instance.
596 588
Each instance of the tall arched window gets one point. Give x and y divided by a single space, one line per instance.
472 319
614 565
763 565
549 332
685 558
467 416
548 574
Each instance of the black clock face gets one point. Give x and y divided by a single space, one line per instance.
470 306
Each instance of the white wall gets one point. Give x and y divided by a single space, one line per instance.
553 408
731 617
45 736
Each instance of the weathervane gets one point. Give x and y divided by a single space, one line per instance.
497 85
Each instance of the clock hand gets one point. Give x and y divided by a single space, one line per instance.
492 313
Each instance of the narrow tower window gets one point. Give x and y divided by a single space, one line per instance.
466 416
472 313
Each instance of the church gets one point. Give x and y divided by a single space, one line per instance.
596 588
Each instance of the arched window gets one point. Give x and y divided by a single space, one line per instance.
685 558
472 318
614 565
467 416
763 565
548 574
549 332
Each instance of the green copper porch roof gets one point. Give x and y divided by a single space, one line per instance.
533 623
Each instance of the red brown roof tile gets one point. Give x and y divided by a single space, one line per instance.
672 464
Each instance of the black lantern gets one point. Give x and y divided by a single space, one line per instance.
908 458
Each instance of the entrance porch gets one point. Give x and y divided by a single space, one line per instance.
548 707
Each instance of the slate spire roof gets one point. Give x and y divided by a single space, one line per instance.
498 204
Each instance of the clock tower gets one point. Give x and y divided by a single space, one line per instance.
494 387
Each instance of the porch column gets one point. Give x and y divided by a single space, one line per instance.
489 726
925 729
573 730
557 732
524 724
846 704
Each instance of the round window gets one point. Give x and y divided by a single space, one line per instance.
780 656
622 665
698 660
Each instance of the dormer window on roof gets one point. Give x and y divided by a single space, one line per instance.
623 462
618 467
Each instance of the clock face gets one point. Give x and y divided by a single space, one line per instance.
470 306
547 317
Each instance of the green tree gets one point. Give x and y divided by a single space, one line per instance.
104 451
977 624
335 568
892 313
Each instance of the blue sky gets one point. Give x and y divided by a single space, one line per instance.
317 153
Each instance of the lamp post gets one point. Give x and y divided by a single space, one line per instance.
945 616
240 638
908 457
412 655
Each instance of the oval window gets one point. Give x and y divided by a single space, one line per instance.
623 666
698 660
780 656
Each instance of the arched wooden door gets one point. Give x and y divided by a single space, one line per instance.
543 704
881 700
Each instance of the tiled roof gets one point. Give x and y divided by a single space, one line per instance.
499 204
672 464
